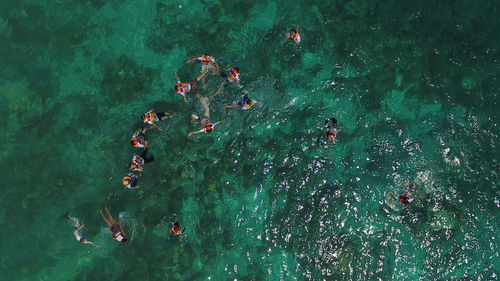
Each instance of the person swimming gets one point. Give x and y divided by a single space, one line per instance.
331 125
139 138
130 181
294 35
207 63
138 161
175 228
207 125
78 231
151 117
117 231
232 76
183 88
245 104
405 197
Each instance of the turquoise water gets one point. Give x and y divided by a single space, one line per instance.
414 86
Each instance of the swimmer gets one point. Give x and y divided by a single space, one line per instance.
245 104
118 233
232 76
294 35
207 63
151 117
331 125
77 232
139 138
175 228
207 125
139 161
183 88
405 197
130 181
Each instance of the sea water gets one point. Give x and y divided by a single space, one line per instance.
413 84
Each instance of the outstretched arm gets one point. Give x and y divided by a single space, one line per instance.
201 75
218 122
91 243
390 192
156 126
195 58
216 66
231 106
177 76
218 91
196 132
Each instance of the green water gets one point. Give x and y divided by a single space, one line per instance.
414 85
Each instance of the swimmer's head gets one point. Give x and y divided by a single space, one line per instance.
82 240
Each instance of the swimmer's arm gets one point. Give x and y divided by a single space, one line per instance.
216 65
184 98
156 126
420 196
196 132
91 243
231 106
259 102
216 123
188 61
177 76
390 192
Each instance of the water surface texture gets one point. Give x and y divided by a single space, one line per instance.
414 85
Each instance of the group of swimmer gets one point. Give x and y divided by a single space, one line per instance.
138 140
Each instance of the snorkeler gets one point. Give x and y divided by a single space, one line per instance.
183 88
331 125
151 117
130 181
118 233
405 197
139 161
77 232
207 125
245 104
175 228
294 35
139 138
207 63
232 76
